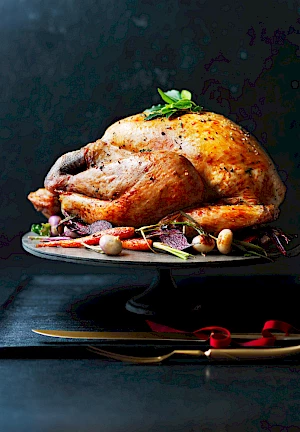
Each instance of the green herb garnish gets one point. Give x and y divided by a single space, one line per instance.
42 229
176 102
179 253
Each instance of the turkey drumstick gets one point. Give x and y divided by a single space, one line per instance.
121 186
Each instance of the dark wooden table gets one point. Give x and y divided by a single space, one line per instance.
52 386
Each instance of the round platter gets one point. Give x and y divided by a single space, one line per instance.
129 258
160 297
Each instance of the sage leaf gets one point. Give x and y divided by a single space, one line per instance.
183 104
176 101
185 94
166 97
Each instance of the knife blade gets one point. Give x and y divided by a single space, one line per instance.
147 336
119 336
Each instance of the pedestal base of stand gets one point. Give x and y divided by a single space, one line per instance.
161 297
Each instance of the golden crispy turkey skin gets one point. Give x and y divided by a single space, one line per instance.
230 161
135 189
141 171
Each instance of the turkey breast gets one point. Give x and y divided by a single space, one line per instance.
231 162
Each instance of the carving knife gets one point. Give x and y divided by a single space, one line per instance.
148 336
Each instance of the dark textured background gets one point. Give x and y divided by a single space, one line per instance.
70 68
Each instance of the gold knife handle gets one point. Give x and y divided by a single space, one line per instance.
252 353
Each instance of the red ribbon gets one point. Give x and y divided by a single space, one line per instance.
220 337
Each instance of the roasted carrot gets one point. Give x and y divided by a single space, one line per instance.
138 244
93 239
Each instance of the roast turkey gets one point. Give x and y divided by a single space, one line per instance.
143 171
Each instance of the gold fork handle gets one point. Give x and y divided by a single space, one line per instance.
191 352
252 353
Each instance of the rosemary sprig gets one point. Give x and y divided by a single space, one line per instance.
251 249
142 232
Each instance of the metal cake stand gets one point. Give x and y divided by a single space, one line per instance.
162 291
